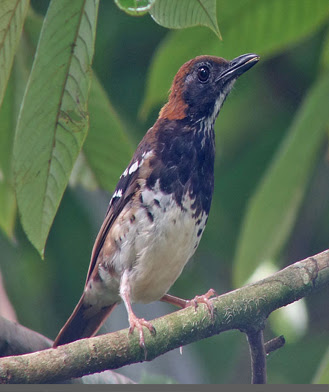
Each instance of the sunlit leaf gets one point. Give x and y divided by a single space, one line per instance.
135 7
180 14
262 27
12 15
107 148
53 121
272 210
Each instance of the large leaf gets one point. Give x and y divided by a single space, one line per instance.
246 26
272 210
107 148
53 121
7 194
12 15
175 14
8 118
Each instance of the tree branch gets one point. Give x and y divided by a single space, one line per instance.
258 356
16 339
245 309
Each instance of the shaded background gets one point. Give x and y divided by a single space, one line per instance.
253 122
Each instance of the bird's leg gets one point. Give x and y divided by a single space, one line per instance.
198 299
176 301
134 321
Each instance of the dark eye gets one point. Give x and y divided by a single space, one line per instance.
203 73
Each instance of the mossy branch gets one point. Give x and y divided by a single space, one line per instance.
245 309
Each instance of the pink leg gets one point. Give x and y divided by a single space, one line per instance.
182 303
134 321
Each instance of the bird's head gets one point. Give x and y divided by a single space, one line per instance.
201 86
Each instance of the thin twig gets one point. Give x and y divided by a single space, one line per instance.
274 344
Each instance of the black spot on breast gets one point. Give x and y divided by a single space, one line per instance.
150 216
132 218
199 232
149 213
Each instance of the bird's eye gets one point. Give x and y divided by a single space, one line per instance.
203 74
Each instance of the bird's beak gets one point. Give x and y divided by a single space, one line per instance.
238 66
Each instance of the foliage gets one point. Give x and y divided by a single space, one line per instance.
60 124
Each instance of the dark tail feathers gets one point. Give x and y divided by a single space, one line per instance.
81 324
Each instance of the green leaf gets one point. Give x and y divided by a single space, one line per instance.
324 60
95 165
12 16
322 374
248 26
175 14
8 118
272 210
135 7
53 121
107 148
7 194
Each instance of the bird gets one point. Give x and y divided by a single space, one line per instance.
160 206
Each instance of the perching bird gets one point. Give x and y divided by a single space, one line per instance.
160 207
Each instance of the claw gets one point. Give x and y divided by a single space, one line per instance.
182 303
204 299
139 323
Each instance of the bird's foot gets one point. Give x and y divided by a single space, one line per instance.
139 323
203 299
198 299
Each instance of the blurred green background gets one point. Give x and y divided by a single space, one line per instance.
251 128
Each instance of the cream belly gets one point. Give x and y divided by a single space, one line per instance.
162 248
152 245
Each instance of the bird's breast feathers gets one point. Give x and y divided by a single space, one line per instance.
162 238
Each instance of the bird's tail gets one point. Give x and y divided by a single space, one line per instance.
84 322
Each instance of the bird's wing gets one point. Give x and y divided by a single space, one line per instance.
127 186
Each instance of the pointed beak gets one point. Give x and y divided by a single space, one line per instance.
238 66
